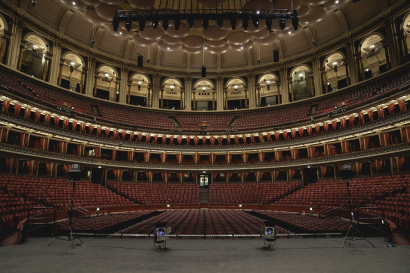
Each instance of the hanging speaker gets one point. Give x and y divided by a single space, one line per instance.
276 56
203 72
140 60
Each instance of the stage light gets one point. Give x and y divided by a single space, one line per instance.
269 236
220 22
295 21
268 24
165 24
190 23
33 2
177 23
128 24
168 205
233 23
116 22
282 23
98 209
106 75
245 23
155 22
160 236
205 24
203 88
255 22
142 24
240 205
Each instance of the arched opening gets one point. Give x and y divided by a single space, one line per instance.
172 96
406 30
4 42
335 74
302 85
138 89
236 94
72 76
373 60
105 85
268 91
32 59
204 96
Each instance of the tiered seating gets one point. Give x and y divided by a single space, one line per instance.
102 223
306 223
154 194
252 193
57 192
218 122
202 222
363 190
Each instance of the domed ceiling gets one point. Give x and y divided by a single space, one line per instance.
217 47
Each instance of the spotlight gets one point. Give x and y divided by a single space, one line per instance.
295 20
33 2
269 236
165 24
282 23
205 24
128 24
155 22
268 24
255 22
259 60
190 23
177 23
314 42
142 24
245 23
220 22
160 236
203 72
233 23
116 22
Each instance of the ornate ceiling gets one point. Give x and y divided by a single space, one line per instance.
216 48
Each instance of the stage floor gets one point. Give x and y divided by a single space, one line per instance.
307 255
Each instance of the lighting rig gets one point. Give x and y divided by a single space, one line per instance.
165 15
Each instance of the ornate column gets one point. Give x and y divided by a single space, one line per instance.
392 45
279 94
45 68
324 81
82 89
290 86
220 93
154 102
60 73
188 86
351 60
181 102
14 46
226 98
89 82
95 86
252 91
347 73
123 85
317 76
162 99
55 64
193 100
129 93
246 98
149 96
213 100
284 83
387 52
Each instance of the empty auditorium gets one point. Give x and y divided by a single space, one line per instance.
205 136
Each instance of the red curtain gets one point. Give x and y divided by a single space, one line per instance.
220 139
244 139
130 156
79 149
132 136
277 135
317 129
212 140
38 116
402 105
123 134
27 112
147 138
390 107
252 139
98 131
139 137
163 157
65 123
188 140
114 155
312 151
66 168
301 130
48 168
285 134
97 152
236 138
6 106
293 133
309 130
29 167
351 120
164 139
17 109
343 123
228 140
401 162
370 115
82 127
361 118
334 125
171 140
74 125
380 112
323 171
326 127
268 136
278 155
196 140
203 140
179 140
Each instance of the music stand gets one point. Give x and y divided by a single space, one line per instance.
74 175
346 175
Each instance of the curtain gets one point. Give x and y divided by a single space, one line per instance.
179 140
17 108
343 123
56 120
74 125
27 112
312 151
196 140
361 118
98 131
65 123
261 156
309 130
351 120
293 133
123 134
285 134
38 116
171 140
317 129
66 168
164 139
132 136
163 157
236 138
402 105
277 136
268 136
323 168
390 107
401 162
380 112
47 118
6 106
212 140
139 137
220 139
97 152
114 155
79 149
252 139
82 127
188 140
48 168
370 115
278 155
228 140
244 139
147 156
29 166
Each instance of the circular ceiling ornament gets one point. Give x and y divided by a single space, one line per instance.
258 4
190 50
239 37
285 4
181 32
303 10
142 4
218 50
167 47
139 41
260 34
268 40
210 3
216 43
193 41
315 15
242 47
106 11
151 33
214 33
92 16
91 2
172 40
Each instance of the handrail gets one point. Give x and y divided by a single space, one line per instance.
382 218
40 218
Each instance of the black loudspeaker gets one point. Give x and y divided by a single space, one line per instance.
276 56
346 173
140 60
203 72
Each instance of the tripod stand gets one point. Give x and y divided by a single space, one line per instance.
70 236
352 229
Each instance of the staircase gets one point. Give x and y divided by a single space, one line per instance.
203 195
